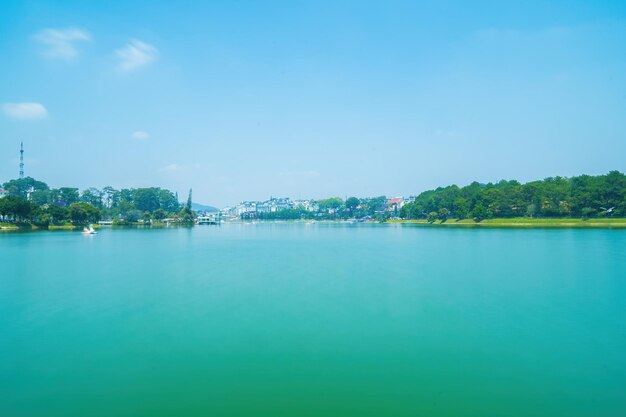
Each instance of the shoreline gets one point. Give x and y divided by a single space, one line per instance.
522 222
512 223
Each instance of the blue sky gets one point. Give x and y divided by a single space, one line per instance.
249 99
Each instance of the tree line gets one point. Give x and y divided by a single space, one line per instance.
333 208
583 196
33 201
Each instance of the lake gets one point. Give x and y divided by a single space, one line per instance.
313 320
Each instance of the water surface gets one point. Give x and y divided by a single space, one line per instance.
313 320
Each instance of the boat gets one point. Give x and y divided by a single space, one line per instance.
89 231
208 219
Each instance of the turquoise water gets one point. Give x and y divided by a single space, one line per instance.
313 320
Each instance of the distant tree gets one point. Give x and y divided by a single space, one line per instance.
133 216
376 205
57 214
432 216
159 214
92 196
40 197
65 196
186 214
481 213
587 212
352 203
461 208
146 199
22 186
15 208
110 197
443 214
168 201
328 204
82 213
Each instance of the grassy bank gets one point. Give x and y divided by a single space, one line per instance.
523 222
29 226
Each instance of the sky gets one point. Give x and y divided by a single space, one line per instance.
243 100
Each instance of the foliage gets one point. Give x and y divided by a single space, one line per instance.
15 208
352 203
556 197
33 201
83 213
21 187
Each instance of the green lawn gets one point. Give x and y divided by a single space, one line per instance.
527 222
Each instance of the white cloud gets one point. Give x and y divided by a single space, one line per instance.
61 43
25 111
140 135
135 55
180 168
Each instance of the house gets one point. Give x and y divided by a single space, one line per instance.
3 192
395 204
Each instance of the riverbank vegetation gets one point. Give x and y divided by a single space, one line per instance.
582 197
32 202
582 201
558 198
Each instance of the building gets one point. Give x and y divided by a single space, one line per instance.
395 204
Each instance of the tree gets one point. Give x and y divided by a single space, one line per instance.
481 213
186 214
146 199
15 208
168 201
22 186
110 197
65 196
443 214
461 208
132 216
92 196
159 214
352 203
330 204
82 213
432 216
40 197
57 214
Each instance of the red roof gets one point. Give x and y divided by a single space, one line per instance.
396 200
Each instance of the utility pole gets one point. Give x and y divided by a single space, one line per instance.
22 161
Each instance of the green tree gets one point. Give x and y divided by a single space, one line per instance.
330 204
15 208
159 214
461 208
352 203
22 186
480 213
186 214
92 196
443 214
83 213
65 196
57 214
146 199
432 216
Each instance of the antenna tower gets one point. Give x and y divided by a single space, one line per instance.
22 161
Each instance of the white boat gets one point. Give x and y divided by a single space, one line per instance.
89 231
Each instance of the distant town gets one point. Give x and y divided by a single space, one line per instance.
285 208
30 202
